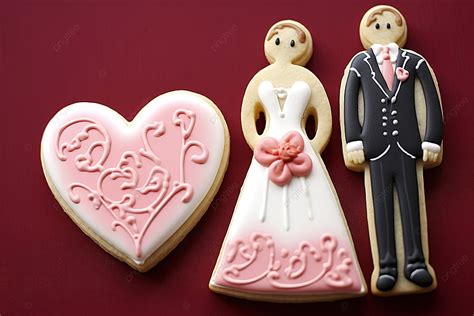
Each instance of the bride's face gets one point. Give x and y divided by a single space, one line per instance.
284 46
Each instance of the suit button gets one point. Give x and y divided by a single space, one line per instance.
394 113
384 118
395 133
384 124
384 133
394 99
395 122
384 110
383 100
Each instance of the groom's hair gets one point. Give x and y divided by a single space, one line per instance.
373 16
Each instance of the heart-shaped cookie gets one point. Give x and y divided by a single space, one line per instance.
137 188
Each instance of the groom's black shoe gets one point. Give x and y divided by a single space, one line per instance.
421 277
418 274
387 279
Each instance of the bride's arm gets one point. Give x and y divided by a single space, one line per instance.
319 107
251 108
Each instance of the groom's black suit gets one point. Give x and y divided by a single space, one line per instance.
392 143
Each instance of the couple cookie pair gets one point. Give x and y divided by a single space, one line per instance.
288 240
137 188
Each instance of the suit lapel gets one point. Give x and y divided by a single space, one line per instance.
402 59
378 75
399 63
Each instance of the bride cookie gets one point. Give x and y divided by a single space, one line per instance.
392 127
137 188
288 240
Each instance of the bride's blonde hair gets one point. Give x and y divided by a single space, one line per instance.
299 32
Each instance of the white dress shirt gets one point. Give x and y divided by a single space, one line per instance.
378 52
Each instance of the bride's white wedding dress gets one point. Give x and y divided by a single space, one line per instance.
288 233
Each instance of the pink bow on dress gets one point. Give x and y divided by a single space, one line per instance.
285 158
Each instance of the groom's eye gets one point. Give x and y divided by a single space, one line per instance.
292 43
277 41
377 26
388 26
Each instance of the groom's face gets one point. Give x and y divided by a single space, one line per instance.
383 30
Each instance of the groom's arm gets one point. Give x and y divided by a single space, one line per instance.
434 118
352 126
351 104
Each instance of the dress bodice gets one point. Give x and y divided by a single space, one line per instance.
287 117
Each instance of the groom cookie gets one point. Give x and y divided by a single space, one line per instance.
392 126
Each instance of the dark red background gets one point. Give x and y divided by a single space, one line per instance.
123 54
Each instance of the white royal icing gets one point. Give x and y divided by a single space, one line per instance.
305 208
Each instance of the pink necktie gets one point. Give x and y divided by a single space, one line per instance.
387 68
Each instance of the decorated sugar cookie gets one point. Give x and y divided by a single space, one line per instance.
137 188
392 127
288 240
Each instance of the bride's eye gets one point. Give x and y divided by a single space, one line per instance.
277 41
292 43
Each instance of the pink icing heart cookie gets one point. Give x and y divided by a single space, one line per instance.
137 188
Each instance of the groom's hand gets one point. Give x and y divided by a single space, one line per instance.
356 157
430 156
355 152
431 151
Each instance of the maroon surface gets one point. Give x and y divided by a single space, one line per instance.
123 54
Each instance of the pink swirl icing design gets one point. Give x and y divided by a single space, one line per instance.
258 264
125 209
284 158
